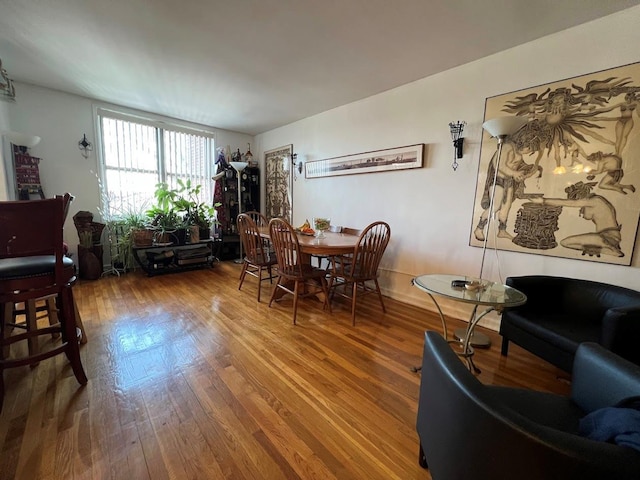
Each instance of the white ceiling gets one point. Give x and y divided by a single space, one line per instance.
254 65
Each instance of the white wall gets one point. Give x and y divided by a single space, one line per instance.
4 151
61 119
430 209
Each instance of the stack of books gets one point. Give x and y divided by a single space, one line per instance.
193 255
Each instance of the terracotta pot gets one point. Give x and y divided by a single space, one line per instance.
194 234
142 237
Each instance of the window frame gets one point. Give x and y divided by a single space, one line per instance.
161 125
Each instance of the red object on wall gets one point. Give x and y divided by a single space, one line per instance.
27 174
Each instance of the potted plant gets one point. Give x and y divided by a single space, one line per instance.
165 218
197 214
130 229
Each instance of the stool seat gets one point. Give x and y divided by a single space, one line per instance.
19 268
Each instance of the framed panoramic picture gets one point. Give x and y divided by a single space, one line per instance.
278 172
399 158
567 182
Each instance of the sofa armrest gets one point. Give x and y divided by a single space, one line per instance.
601 378
621 331
543 292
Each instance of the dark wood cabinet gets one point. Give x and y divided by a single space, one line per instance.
227 195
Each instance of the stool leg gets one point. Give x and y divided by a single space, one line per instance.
1 388
70 335
32 324
6 314
52 313
79 323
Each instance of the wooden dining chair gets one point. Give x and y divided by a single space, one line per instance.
257 256
338 258
33 266
355 272
345 257
294 273
262 222
258 218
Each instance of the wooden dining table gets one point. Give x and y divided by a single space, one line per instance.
332 244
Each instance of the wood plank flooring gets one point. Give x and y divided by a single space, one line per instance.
190 378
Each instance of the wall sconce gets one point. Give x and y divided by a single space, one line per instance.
85 146
458 140
7 90
288 162
21 140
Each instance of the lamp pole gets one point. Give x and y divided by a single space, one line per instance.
500 139
499 128
239 167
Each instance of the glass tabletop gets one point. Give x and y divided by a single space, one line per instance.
489 293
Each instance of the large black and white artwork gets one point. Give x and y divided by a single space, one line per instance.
567 181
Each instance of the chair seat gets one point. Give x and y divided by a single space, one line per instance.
308 271
18 268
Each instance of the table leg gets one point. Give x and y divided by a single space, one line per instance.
467 348
478 339
444 328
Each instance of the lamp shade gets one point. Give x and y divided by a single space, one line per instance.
21 139
503 126
239 166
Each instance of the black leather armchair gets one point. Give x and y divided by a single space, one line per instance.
561 313
469 430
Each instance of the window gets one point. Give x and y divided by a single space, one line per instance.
137 154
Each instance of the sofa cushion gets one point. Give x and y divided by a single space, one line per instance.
562 330
591 300
553 411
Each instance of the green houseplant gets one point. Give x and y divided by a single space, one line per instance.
177 209
164 215
133 231
195 212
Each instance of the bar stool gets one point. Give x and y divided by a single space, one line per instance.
33 266
36 309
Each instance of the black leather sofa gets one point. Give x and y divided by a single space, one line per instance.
560 313
468 430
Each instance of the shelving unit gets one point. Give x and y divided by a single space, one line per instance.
250 184
162 259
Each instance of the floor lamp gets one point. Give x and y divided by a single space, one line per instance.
239 167
499 128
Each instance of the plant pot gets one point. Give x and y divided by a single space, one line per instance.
194 234
142 237
205 233
179 236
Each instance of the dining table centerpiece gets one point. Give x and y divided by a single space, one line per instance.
321 225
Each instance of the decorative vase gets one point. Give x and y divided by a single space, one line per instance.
90 262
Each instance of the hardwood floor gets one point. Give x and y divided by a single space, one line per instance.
190 378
